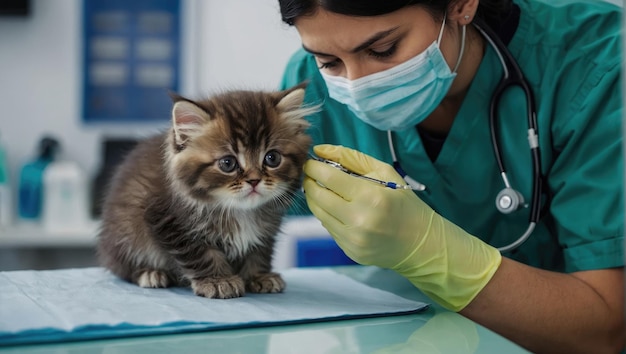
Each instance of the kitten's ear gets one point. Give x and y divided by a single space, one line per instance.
187 120
290 104
291 99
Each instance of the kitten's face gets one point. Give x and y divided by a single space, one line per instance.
240 149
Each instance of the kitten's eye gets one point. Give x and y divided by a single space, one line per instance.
273 158
228 163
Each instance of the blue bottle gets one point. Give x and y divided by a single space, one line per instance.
31 180
6 205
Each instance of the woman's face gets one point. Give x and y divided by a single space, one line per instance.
353 47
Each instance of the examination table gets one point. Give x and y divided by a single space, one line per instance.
347 309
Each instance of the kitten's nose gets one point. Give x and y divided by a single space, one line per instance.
253 182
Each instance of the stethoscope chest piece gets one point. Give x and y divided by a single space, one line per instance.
509 200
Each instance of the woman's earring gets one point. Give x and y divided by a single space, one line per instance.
466 17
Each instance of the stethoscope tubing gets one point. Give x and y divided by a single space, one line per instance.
512 76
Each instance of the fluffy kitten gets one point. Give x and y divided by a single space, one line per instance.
201 204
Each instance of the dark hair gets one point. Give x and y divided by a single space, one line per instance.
490 11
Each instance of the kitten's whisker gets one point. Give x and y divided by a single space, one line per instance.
299 204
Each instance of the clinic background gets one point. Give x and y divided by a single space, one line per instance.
225 44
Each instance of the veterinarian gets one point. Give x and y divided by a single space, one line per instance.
504 118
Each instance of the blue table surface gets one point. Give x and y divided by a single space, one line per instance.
433 331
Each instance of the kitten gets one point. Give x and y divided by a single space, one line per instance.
201 204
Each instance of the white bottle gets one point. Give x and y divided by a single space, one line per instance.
65 198
6 206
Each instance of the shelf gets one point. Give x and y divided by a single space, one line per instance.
32 234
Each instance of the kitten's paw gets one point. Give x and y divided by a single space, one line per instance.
266 283
153 279
219 288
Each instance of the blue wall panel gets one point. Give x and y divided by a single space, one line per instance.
131 59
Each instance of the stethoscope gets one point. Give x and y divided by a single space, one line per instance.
509 199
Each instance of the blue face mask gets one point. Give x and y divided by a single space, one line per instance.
402 96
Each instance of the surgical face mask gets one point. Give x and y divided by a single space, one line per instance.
399 97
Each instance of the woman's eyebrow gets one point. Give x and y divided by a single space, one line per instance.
368 42
320 54
373 39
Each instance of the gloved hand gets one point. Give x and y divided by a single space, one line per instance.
393 228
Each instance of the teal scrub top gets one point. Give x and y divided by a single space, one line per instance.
570 52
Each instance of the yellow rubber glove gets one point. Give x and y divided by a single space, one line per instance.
393 228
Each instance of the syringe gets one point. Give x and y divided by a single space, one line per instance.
387 184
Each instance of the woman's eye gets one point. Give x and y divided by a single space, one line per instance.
227 164
328 64
272 159
384 53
